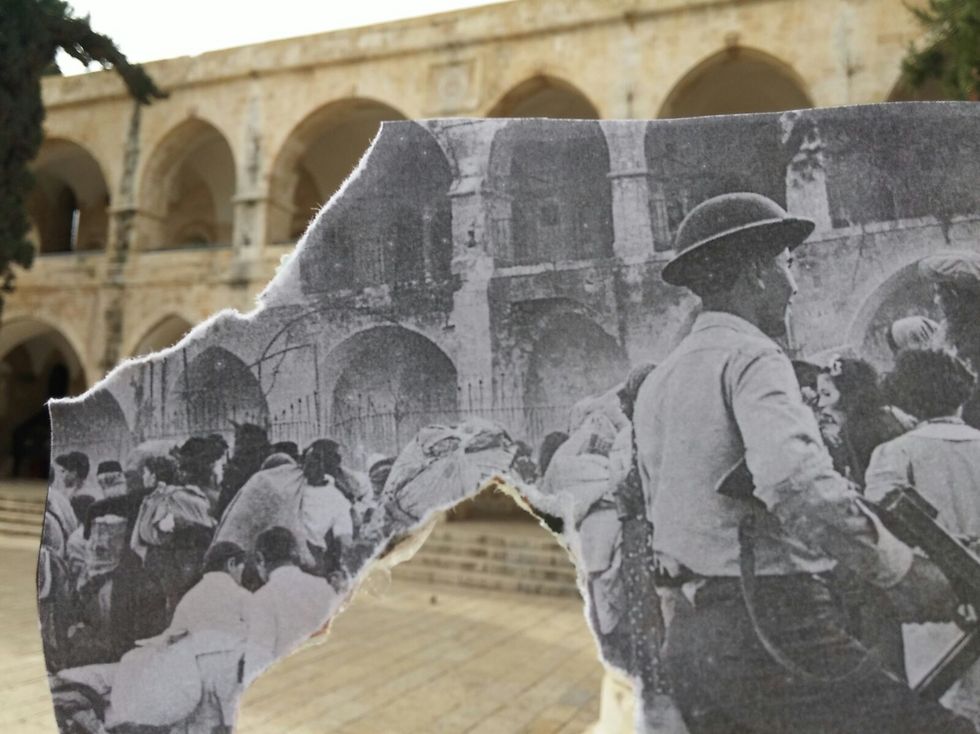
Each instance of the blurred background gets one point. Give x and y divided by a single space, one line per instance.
147 219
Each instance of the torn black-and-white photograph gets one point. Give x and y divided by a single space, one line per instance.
729 363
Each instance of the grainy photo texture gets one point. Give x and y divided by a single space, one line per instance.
730 363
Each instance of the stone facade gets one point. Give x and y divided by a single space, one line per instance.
151 220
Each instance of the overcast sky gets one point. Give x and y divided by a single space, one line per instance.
147 31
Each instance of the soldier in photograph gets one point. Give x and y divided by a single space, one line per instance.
760 643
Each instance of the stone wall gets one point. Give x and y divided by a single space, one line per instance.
249 132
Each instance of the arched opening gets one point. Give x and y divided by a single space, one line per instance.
37 363
187 188
571 358
69 204
690 161
165 333
95 426
556 185
904 293
317 158
881 168
394 223
736 80
390 382
545 96
213 391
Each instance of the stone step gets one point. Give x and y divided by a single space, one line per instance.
19 529
512 535
27 516
17 500
557 574
33 509
512 556
519 555
498 582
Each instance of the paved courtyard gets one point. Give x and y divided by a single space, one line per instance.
405 657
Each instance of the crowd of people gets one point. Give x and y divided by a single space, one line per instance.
178 574
174 576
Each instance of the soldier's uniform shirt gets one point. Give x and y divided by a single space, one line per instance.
727 392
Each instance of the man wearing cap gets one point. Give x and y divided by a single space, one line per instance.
774 657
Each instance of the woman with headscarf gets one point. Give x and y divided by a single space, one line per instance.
168 507
854 416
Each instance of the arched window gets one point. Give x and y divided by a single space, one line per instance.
393 224
377 405
693 160
68 205
545 96
188 187
881 169
737 80
215 391
317 158
37 363
557 185
571 358
165 333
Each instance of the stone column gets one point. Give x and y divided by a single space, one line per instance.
251 208
806 174
477 234
125 224
629 177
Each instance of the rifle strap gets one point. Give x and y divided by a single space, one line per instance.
746 539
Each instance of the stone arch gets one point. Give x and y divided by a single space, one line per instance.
912 177
187 188
555 195
317 157
903 293
690 161
69 204
737 80
95 425
213 391
164 333
393 226
385 383
545 96
573 358
565 355
37 363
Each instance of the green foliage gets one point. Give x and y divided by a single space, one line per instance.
951 52
31 32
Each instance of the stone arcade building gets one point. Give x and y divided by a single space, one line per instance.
497 287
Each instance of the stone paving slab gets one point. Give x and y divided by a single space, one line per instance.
405 657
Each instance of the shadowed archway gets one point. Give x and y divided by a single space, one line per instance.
69 203
734 81
545 96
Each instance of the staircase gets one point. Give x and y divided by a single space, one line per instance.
511 556
21 508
